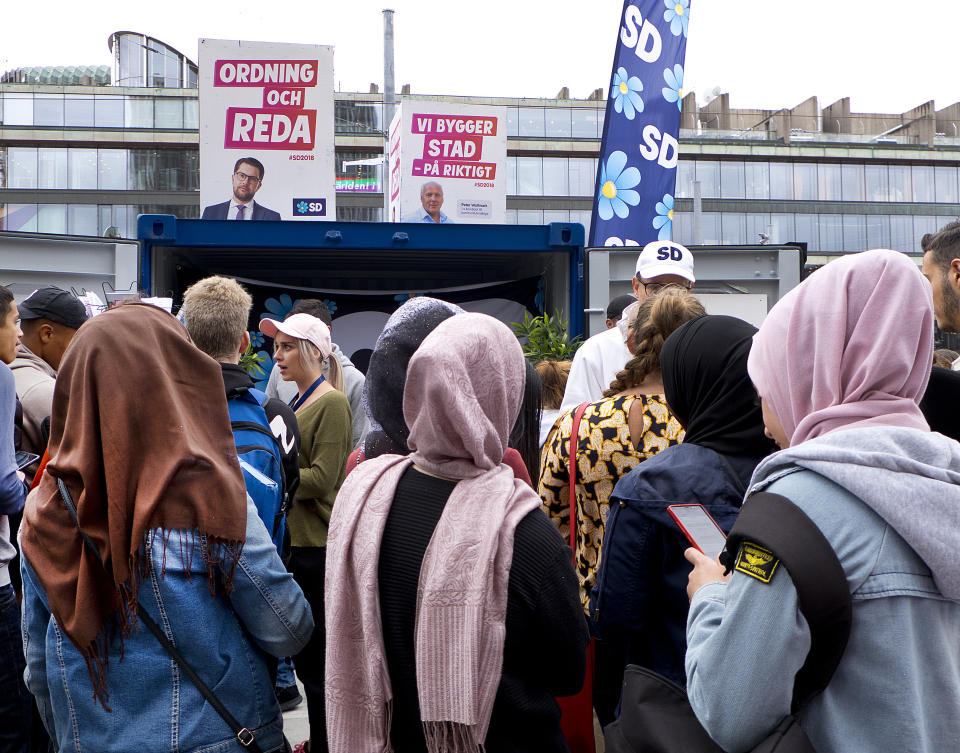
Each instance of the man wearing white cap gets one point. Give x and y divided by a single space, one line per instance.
597 361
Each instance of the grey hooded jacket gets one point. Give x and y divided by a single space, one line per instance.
888 501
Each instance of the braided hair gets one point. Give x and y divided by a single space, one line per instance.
655 320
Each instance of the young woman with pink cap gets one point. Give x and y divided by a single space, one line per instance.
301 345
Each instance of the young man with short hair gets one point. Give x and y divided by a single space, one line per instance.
216 312
941 267
15 700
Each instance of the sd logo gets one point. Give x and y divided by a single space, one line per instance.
669 252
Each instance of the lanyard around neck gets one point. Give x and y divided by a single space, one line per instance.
299 400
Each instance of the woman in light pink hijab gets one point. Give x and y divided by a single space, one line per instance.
840 364
850 349
451 605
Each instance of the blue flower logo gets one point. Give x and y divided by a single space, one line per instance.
330 305
302 206
673 91
678 14
265 366
278 309
616 184
624 92
664 219
256 338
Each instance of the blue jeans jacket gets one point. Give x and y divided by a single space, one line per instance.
155 707
897 686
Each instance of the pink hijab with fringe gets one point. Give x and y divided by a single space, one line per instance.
849 347
463 393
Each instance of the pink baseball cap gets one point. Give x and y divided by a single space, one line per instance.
302 327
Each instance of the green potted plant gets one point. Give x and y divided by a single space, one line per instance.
545 337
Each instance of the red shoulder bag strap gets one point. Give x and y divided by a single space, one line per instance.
572 472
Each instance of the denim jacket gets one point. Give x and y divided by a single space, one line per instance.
897 686
155 707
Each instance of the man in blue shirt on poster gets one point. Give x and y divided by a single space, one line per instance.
431 199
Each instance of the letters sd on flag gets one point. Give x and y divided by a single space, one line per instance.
636 177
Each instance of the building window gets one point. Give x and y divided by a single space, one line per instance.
17 109
708 175
557 122
529 177
831 232
52 218
781 229
112 169
852 178
555 176
531 124
82 219
48 110
732 180
923 184
83 168
829 178
781 180
583 176
901 232
900 183
78 112
52 168
878 231
756 180
686 174
805 181
21 167
585 123
854 232
734 227
945 179
877 185
138 112
108 111
806 231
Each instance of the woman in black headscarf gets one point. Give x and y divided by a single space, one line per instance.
641 594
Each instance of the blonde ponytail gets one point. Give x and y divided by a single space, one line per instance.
335 372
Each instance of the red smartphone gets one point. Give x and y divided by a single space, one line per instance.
700 528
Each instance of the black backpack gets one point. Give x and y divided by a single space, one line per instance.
655 715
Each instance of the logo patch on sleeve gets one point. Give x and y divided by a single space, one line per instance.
756 562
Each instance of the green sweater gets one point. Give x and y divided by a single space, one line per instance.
326 438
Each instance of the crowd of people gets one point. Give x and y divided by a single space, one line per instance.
448 549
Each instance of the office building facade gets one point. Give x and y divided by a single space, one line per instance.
79 155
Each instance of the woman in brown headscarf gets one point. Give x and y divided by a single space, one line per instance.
141 438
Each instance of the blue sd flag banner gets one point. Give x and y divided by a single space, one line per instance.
637 172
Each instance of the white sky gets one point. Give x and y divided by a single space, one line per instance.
887 56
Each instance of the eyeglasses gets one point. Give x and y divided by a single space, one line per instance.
652 288
244 178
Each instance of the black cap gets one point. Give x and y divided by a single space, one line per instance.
56 305
617 305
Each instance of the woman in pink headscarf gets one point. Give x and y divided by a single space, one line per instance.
452 611
840 365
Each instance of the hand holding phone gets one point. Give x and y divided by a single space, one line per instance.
23 459
700 528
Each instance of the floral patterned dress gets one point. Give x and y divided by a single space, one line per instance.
604 454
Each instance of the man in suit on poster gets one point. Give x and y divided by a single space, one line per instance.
247 179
